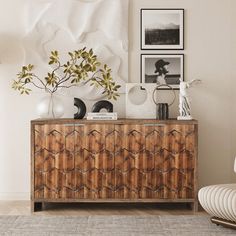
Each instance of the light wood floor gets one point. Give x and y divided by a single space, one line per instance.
85 209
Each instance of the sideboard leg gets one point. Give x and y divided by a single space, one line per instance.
36 206
194 206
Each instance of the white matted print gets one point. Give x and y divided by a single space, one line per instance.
162 69
162 29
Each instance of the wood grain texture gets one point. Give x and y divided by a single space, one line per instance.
154 161
113 122
94 158
143 160
54 161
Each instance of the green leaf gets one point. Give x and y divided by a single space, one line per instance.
91 52
82 65
87 67
30 67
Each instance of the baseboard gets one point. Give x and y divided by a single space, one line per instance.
11 196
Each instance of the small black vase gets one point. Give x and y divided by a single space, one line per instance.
162 111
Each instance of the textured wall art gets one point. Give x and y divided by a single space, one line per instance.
72 24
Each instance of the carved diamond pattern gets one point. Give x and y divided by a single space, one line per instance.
153 141
114 161
95 142
135 142
154 162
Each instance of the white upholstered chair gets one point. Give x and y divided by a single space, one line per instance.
220 202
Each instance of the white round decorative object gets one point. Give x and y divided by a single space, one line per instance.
141 108
50 107
137 95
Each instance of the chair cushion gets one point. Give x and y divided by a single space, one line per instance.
219 200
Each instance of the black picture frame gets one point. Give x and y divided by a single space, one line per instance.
169 31
172 78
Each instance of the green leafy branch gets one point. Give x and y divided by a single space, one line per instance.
82 67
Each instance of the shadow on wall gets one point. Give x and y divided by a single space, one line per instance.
214 146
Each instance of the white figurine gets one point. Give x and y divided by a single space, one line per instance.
184 99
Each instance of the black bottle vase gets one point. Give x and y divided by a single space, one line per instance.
162 111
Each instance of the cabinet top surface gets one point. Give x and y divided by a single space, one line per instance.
119 121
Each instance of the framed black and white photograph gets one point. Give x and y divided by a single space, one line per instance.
162 29
162 69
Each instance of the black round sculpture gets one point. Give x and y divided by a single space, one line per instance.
103 104
81 108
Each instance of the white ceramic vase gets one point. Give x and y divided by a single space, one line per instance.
50 107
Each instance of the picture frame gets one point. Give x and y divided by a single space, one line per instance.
162 29
162 69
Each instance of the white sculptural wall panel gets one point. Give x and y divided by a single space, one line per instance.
69 25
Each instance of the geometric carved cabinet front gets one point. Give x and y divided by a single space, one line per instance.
54 161
75 162
154 161
94 161
114 161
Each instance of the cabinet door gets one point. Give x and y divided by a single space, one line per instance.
154 161
54 170
176 162
136 147
94 161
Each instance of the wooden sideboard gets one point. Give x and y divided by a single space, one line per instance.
113 161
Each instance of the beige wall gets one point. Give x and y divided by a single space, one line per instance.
210 55
233 85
